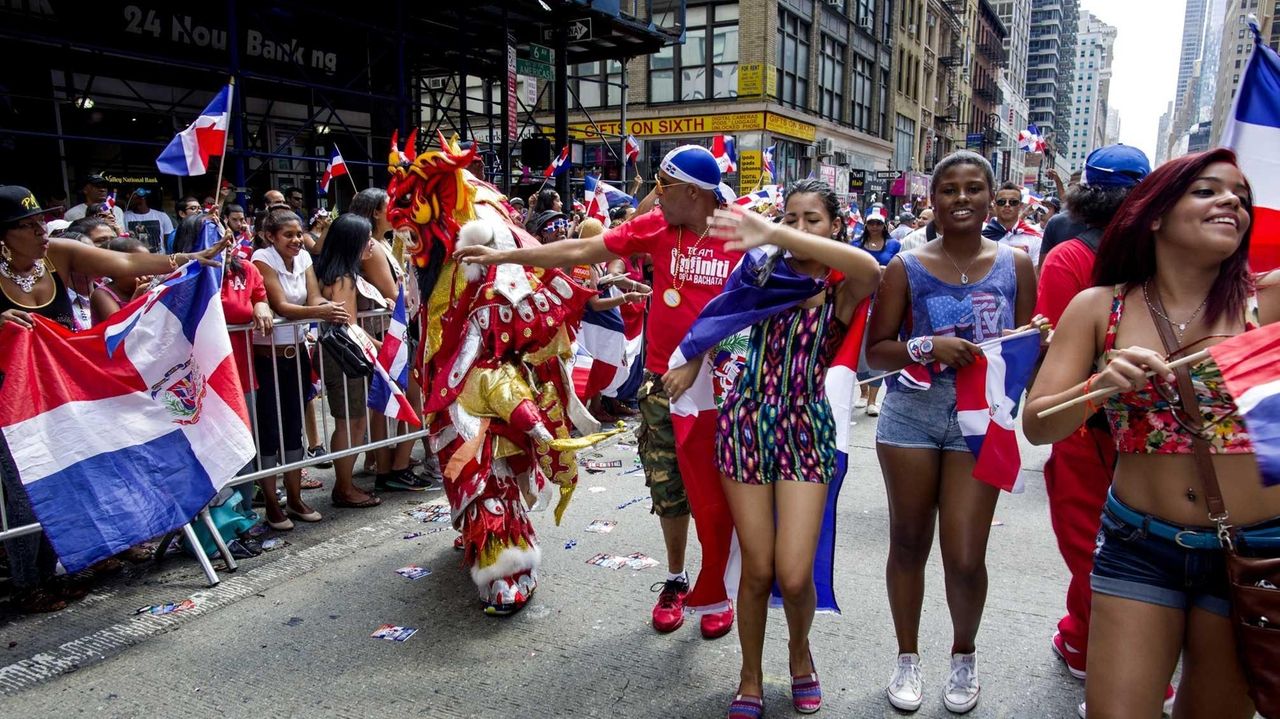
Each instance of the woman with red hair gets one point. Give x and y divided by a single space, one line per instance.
1176 255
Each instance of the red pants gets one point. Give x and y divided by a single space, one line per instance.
1077 477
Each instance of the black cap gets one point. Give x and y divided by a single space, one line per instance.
17 203
543 218
95 178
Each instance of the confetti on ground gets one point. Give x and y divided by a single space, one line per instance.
159 610
413 571
601 526
392 633
596 490
571 544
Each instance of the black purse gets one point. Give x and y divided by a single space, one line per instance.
339 343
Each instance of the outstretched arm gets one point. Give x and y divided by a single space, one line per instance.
587 251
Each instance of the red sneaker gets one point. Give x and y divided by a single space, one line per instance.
718 624
668 613
1072 657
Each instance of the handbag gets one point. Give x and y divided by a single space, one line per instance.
340 343
1253 582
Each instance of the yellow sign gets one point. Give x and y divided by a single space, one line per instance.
756 79
749 162
696 125
794 128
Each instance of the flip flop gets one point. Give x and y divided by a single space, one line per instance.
372 501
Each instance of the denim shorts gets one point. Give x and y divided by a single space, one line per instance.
1133 564
921 419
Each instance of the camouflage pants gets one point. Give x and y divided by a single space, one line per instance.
657 446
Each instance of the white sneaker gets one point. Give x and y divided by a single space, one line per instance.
860 403
1080 711
960 694
873 410
906 688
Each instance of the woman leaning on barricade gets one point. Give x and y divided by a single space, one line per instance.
1172 279
33 269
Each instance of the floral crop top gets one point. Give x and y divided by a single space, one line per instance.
1150 420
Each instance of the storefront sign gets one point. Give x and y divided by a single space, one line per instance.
696 125
827 173
512 116
756 79
857 180
115 179
178 28
749 170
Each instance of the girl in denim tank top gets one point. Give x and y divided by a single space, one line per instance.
937 303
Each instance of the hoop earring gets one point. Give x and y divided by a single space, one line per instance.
5 252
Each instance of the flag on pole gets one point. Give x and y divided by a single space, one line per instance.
391 370
159 373
1252 376
1030 139
558 165
725 151
601 196
767 161
1253 131
189 151
767 195
631 149
337 168
987 394
111 201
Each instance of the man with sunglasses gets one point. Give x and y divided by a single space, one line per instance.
689 269
1009 227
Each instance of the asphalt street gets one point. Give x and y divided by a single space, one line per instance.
289 634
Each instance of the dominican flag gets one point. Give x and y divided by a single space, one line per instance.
337 168
1249 369
725 151
987 396
1253 131
391 370
189 151
601 196
718 338
767 161
1030 139
767 195
558 165
631 149
125 431
111 200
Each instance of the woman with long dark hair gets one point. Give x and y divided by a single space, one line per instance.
1175 255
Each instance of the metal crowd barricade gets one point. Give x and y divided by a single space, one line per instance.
304 340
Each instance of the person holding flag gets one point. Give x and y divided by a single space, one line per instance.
776 447
686 193
1172 277
936 304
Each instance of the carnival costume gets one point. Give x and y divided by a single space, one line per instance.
493 365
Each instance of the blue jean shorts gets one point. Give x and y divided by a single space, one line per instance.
1131 563
921 419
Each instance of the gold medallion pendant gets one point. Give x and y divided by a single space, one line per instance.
671 297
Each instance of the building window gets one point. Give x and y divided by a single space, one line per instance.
865 12
832 75
904 142
706 65
882 129
862 84
793 60
591 87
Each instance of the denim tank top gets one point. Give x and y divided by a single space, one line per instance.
978 311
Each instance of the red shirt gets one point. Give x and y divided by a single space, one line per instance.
1067 271
239 295
697 270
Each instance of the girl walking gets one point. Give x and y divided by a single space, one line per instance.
874 240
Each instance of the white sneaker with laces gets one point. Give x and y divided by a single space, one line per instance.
960 694
906 687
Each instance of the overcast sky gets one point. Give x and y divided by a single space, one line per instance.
1145 71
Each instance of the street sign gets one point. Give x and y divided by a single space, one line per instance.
535 69
973 140
576 30
887 174
538 53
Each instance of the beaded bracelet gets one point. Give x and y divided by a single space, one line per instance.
1088 387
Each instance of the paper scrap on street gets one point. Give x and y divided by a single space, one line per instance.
601 526
431 513
392 633
158 610
274 543
636 561
602 464
413 571
630 502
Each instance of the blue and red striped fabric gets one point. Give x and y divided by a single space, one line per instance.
391 370
1252 375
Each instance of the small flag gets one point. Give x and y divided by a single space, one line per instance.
391 370
767 160
337 168
1030 139
558 165
1253 131
767 195
631 149
189 151
1252 375
725 152
111 201
987 394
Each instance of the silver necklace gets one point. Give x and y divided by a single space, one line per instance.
1181 327
964 274
26 281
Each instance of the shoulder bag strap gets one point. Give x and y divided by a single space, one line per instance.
1191 406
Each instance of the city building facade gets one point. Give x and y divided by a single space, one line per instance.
1095 43
1051 68
1236 48
987 61
1014 111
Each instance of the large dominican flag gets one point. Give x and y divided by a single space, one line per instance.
391 370
1253 131
126 431
1252 375
987 395
189 151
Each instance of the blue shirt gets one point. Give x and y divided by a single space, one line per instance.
884 254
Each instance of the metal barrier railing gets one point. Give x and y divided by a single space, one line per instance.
301 340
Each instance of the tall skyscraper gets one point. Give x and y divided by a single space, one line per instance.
1113 126
1162 136
1051 66
1192 41
1016 16
1095 41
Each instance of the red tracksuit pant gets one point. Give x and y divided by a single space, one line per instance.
1077 477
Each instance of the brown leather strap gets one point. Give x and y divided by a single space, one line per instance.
1191 406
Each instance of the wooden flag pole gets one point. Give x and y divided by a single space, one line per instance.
226 135
1106 391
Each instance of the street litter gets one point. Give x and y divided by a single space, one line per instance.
601 526
157 610
596 490
414 535
598 464
413 571
274 543
608 561
630 502
431 513
997 523
571 544
392 633
636 561
639 561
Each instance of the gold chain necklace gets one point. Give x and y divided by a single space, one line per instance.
671 296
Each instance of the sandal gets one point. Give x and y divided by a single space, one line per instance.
372 501
806 691
36 601
308 482
746 707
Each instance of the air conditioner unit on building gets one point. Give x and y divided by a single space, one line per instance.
809 152
843 159
435 83
865 23
824 146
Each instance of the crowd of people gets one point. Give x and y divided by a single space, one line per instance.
976 262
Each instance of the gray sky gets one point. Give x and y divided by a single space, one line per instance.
1145 71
